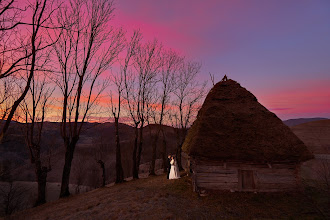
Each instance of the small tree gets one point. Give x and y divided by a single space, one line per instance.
34 107
80 172
12 197
118 81
115 109
11 194
188 94
138 87
166 85
101 153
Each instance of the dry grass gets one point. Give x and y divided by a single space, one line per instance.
158 198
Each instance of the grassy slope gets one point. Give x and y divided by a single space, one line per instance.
158 198
315 135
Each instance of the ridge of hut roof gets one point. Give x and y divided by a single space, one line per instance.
233 125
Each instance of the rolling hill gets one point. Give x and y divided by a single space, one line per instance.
315 135
298 121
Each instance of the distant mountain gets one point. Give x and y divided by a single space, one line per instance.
298 121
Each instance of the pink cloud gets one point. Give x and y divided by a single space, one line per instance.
303 99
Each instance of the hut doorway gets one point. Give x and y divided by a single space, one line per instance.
246 179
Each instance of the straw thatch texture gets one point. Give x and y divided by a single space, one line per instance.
233 125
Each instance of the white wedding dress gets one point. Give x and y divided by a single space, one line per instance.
174 173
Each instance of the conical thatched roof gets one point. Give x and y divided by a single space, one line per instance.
233 125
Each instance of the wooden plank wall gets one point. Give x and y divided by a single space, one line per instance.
225 176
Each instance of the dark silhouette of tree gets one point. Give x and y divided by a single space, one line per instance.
12 197
188 94
84 52
34 107
30 47
79 169
11 194
171 63
138 86
101 153
115 109
212 78
119 84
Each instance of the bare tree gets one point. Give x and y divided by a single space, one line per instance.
129 91
212 78
101 153
12 197
79 170
34 107
171 64
84 52
11 194
118 81
188 94
138 87
30 46
323 173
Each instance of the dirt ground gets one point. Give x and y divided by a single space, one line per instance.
159 198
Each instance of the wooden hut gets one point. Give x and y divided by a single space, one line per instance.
236 144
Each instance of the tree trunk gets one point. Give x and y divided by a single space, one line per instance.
41 175
178 156
103 171
135 170
179 148
154 154
164 154
140 148
70 146
119 167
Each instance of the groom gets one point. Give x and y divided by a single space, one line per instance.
168 165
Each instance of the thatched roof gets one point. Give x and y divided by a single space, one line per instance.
233 125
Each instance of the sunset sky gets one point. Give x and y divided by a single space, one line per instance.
277 49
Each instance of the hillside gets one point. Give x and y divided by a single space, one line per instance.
158 198
298 121
97 141
315 134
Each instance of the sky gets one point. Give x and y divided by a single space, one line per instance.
277 49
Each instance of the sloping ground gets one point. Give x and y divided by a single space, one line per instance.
298 121
315 135
158 198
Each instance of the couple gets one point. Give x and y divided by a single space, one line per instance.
172 168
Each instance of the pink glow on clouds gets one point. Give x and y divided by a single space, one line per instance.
279 50
308 99
276 49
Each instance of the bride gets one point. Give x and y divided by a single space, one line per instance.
174 173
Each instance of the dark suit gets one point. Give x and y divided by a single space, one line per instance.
168 167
